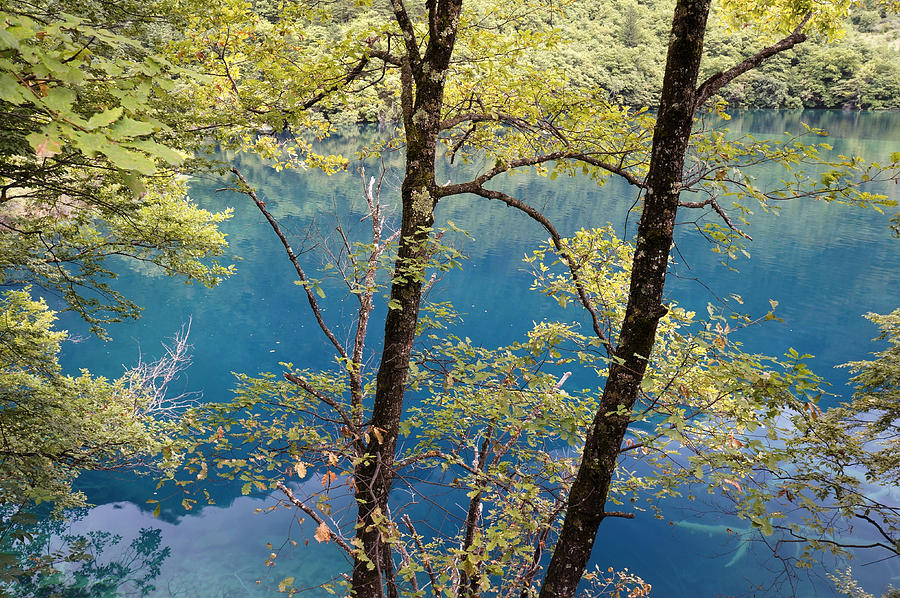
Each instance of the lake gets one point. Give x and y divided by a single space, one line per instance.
825 264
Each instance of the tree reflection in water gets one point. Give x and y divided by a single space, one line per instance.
46 562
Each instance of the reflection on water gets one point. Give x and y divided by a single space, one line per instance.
825 264
221 551
63 561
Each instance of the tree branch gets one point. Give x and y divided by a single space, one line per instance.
315 516
469 187
328 401
409 35
476 189
804 538
477 117
621 514
426 562
348 78
716 82
311 298
385 56
372 195
715 206
894 541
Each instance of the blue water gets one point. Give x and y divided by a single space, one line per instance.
825 264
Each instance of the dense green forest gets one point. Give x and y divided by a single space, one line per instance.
619 47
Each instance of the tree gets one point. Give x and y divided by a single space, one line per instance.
680 99
855 445
292 88
85 175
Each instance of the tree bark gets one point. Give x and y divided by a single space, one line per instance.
422 80
587 499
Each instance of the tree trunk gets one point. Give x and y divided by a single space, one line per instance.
422 82
587 499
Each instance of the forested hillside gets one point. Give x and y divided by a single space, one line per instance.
620 47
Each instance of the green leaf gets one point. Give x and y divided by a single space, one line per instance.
8 40
127 127
159 150
128 160
10 90
105 118
59 99
90 143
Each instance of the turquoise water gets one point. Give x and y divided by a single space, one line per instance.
825 264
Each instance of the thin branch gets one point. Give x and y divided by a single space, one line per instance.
716 82
313 303
351 76
406 462
459 143
448 190
621 514
372 195
477 117
328 401
803 538
894 541
537 216
385 56
473 515
315 516
409 35
426 562
715 206
150 381
82 49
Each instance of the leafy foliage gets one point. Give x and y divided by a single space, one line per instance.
276 79
86 175
56 425
707 413
83 111
856 468
496 429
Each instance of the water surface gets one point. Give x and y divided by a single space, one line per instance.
825 264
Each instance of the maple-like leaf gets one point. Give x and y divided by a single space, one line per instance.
323 534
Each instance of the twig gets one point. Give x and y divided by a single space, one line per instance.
425 561
313 303
315 516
